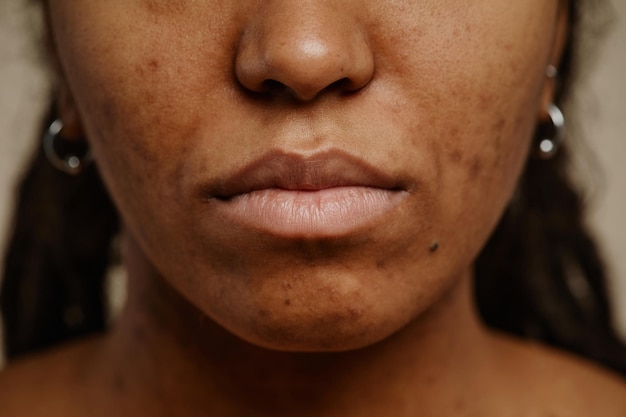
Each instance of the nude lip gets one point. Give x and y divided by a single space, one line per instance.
326 194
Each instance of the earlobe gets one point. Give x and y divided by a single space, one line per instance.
68 114
64 142
560 39
66 110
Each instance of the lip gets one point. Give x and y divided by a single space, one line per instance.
327 194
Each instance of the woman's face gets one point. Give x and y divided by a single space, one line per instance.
312 175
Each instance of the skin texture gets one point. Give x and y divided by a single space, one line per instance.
407 86
443 96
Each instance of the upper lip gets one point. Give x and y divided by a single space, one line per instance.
289 171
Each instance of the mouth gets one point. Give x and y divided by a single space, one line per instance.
323 195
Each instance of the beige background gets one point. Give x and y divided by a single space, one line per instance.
23 88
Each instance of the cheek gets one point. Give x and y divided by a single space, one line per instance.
467 84
144 85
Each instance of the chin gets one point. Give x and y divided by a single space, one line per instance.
303 339
314 329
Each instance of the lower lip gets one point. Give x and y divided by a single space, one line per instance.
329 212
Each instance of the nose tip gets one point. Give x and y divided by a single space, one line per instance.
304 57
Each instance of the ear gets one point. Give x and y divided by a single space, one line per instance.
65 105
561 37
68 113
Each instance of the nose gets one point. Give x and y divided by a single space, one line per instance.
301 49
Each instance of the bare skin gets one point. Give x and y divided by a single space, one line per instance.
158 364
232 316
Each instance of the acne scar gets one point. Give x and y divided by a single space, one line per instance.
485 101
153 64
144 68
475 166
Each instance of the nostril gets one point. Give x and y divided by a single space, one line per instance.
345 84
275 88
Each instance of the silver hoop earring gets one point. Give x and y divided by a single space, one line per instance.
551 137
68 161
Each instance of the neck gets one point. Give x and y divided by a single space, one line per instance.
167 356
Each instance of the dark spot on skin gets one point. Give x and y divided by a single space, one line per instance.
263 313
355 313
149 98
153 65
455 156
475 166
380 264
485 100
287 302
144 68
434 247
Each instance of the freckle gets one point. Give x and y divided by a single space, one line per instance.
434 247
153 64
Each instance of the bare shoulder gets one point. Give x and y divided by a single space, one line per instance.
44 384
557 384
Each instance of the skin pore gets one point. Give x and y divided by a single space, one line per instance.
228 316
